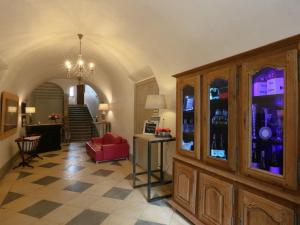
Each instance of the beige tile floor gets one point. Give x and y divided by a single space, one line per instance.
133 209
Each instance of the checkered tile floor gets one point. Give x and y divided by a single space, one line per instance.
68 188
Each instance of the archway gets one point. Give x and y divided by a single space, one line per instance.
47 98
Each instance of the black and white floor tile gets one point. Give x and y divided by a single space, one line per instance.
66 187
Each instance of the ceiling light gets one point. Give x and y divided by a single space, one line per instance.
79 70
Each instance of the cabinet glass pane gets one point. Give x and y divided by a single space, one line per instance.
218 105
188 104
267 112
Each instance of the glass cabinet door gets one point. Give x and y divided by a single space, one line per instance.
188 118
219 113
270 118
267 116
188 92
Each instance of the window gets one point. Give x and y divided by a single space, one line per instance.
71 92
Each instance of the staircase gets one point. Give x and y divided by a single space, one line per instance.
80 121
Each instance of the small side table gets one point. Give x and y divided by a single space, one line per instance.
27 145
150 139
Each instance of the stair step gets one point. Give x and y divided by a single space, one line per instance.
80 121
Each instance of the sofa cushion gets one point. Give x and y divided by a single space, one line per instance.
118 140
111 139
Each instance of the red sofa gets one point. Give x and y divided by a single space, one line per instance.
106 148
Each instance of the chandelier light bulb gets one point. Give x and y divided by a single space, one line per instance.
92 66
80 62
68 65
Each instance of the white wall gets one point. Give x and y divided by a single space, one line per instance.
91 100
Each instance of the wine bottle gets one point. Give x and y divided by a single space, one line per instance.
274 166
214 142
263 160
255 160
221 142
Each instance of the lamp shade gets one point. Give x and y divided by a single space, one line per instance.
103 106
155 102
29 109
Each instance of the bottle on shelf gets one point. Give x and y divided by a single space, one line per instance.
255 160
275 165
185 126
263 165
214 142
191 125
254 107
221 142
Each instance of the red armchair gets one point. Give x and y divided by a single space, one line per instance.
106 148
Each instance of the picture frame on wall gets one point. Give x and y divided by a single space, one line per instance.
150 126
9 114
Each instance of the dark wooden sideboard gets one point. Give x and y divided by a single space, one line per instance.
51 136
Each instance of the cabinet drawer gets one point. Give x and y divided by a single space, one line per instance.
215 201
254 210
185 183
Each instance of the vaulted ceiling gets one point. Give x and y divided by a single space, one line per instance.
134 39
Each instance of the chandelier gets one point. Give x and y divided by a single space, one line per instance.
79 70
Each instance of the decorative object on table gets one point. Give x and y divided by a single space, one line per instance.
54 117
265 132
150 126
79 70
155 102
107 147
163 132
29 111
9 114
103 108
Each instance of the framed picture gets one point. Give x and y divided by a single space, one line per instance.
150 126
9 114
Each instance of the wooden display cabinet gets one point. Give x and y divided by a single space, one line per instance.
270 118
188 113
254 210
215 201
185 183
219 117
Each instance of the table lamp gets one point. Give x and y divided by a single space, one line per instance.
155 102
29 111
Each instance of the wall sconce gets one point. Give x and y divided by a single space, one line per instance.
155 102
30 111
103 107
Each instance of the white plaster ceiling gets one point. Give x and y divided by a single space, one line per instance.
133 39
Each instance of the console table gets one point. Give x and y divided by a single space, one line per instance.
150 139
51 136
